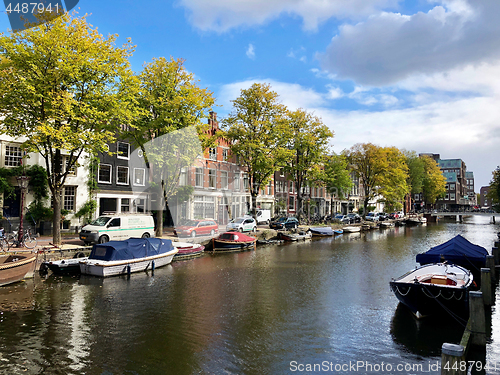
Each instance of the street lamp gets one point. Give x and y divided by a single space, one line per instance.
22 182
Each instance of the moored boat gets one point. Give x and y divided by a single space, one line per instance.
128 256
64 266
15 267
351 229
459 251
233 241
321 231
434 289
386 224
287 236
187 250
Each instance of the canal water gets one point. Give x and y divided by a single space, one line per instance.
322 306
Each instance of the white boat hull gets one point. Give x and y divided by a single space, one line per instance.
105 268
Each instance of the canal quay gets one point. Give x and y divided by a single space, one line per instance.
281 309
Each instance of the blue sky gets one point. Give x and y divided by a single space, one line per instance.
421 75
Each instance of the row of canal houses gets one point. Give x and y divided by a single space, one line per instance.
220 185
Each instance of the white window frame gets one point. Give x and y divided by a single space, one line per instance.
225 154
212 153
452 196
236 181
128 175
73 196
143 177
16 155
118 150
212 178
224 180
198 173
125 205
110 174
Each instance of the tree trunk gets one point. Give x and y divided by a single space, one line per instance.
159 223
56 221
365 207
254 205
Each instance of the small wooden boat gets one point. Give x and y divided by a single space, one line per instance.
434 289
128 256
14 268
351 229
301 236
322 231
233 241
187 250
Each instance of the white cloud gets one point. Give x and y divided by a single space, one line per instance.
251 51
390 47
223 15
466 128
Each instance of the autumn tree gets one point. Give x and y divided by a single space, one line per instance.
337 177
308 143
393 181
494 193
434 183
171 102
64 89
257 130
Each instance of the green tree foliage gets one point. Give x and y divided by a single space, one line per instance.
337 177
259 134
308 141
382 172
434 183
416 171
171 101
66 88
494 193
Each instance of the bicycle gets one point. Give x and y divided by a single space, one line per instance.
29 240
4 244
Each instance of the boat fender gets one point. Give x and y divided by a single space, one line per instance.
152 265
79 254
129 271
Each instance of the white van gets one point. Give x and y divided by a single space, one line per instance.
263 216
117 227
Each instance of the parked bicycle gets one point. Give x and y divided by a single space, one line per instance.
4 244
29 240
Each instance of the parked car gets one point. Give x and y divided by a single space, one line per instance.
284 223
344 219
193 228
354 218
242 224
375 216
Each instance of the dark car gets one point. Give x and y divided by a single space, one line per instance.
284 223
354 218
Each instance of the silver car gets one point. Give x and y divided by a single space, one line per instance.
242 224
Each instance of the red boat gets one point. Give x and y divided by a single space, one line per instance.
187 250
233 241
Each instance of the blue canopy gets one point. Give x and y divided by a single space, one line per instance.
458 251
133 248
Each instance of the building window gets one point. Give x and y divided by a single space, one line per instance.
121 175
212 178
183 177
417 196
212 153
13 156
204 207
139 176
140 204
236 184
447 197
452 186
291 203
104 174
125 205
69 198
199 177
225 153
223 180
122 150
245 181
452 196
71 170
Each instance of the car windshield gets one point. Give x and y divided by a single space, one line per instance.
351 215
189 223
100 221
281 219
339 216
238 220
